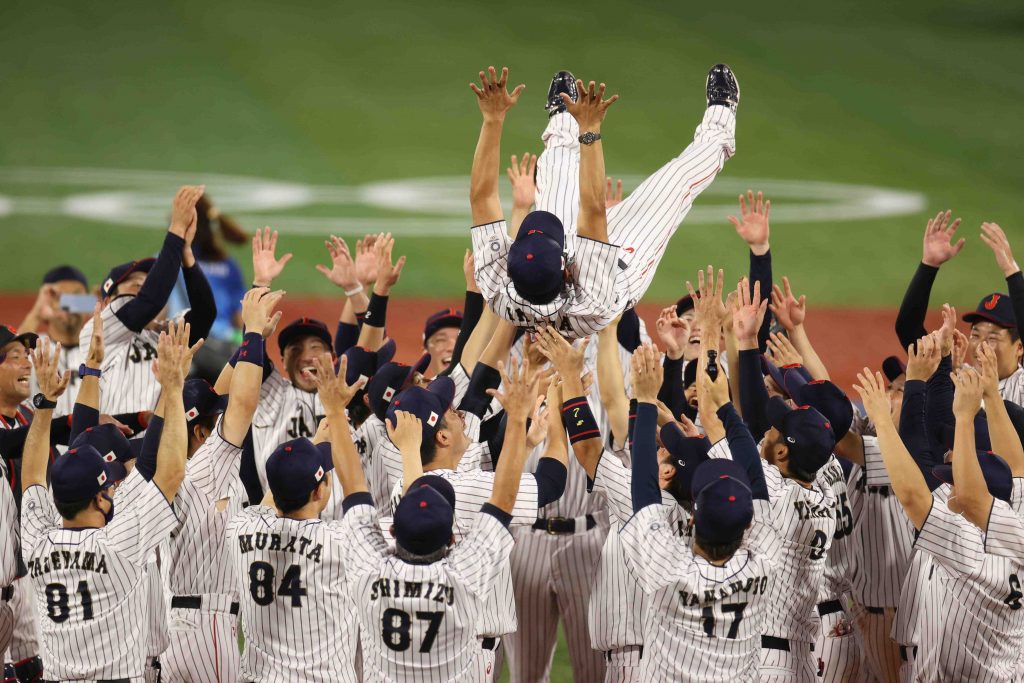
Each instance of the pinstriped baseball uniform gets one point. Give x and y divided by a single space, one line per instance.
1012 388
420 622
975 633
472 490
644 221
90 584
127 384
617 603
368 438
296 612
71 357
390 459
703 622
204 642
10 551
284 412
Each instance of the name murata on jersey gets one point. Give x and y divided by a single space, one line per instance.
754 585
299 545
60 560
399 588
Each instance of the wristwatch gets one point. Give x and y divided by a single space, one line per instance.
42 403
84 371
589 138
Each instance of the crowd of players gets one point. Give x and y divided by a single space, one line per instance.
700 504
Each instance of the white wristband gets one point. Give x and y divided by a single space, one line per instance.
353 292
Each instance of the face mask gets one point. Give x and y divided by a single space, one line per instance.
109 515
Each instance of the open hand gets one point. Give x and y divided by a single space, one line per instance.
258 306
343 268
521 175
94 357
388 272
995 238
871 388
753 227
707 300
335 393
938 240
673 331
923 358
646 373
969 390
566 358
492 95
518 390
783 351
749 312
183 211
366 260
787 309
46 360
265 264
590 106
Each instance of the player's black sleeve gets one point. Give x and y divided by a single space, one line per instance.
202 306
939 404
248 473
476 399
644 488
913 429
353 499
910 319
550 475
753 394
345 337
82 417
761 271
671 392
1015 284
146 462
155 291
472 309
744 449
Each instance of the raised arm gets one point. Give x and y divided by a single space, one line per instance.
972 493
174 357
335 395
265 264
52 385
494 100
995 238
791 313
938 248
612 386
343 274
754 230
907 481
521 175
1005 441
86 412
645 376
520 391
407 435
589 111
202 308
371 336
746 320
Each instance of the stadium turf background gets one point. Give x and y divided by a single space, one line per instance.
923 96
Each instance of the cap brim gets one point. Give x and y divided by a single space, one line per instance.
794 377
547 223
776 412
444 388
386 352
714 469
325 454
980 316
29 339
422 364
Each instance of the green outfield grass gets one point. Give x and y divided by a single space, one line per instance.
919 96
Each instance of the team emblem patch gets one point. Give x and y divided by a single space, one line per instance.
991 303
319 473
495 246
107 285
109 457
102 479
432 420
192 414
388 393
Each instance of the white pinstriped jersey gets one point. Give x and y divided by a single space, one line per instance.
90 583
615 613
918 592
368 439
597 293
1005 535
10 544
883 535
295 609
420 622
703 622
197 560
472 490
127 384
390 460
70 358
842 555
285 412
975 632
1012 388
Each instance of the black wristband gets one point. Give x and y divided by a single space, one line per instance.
251 350
377 311
579 420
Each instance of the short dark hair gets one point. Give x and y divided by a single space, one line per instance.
800 474
1014 334
357 413
717 552
678 491
70 509
428 449
288 506
412 558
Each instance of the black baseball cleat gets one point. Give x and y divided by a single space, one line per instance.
563 82
723 89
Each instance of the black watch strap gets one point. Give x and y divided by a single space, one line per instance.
42 403
589 138
84 371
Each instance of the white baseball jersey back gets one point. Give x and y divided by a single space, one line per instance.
420 622
10 542
704 622
127 384
285 412
842 555
90 583
295 609
1012 388
974 633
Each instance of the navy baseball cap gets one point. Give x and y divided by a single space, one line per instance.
1016 413
423 520
535 259
449 317
390 380
982 439
628 330
439 484
429 404
304 327
201 400
805 432
687 453
723 505
8 334
689 374
684 304
79 475
994 308
118 274
998 476
363 363
823 396
65 273
111 444
893 367
296 468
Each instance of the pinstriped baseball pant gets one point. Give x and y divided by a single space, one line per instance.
203 649
645 220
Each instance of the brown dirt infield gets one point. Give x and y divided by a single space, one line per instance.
846 339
